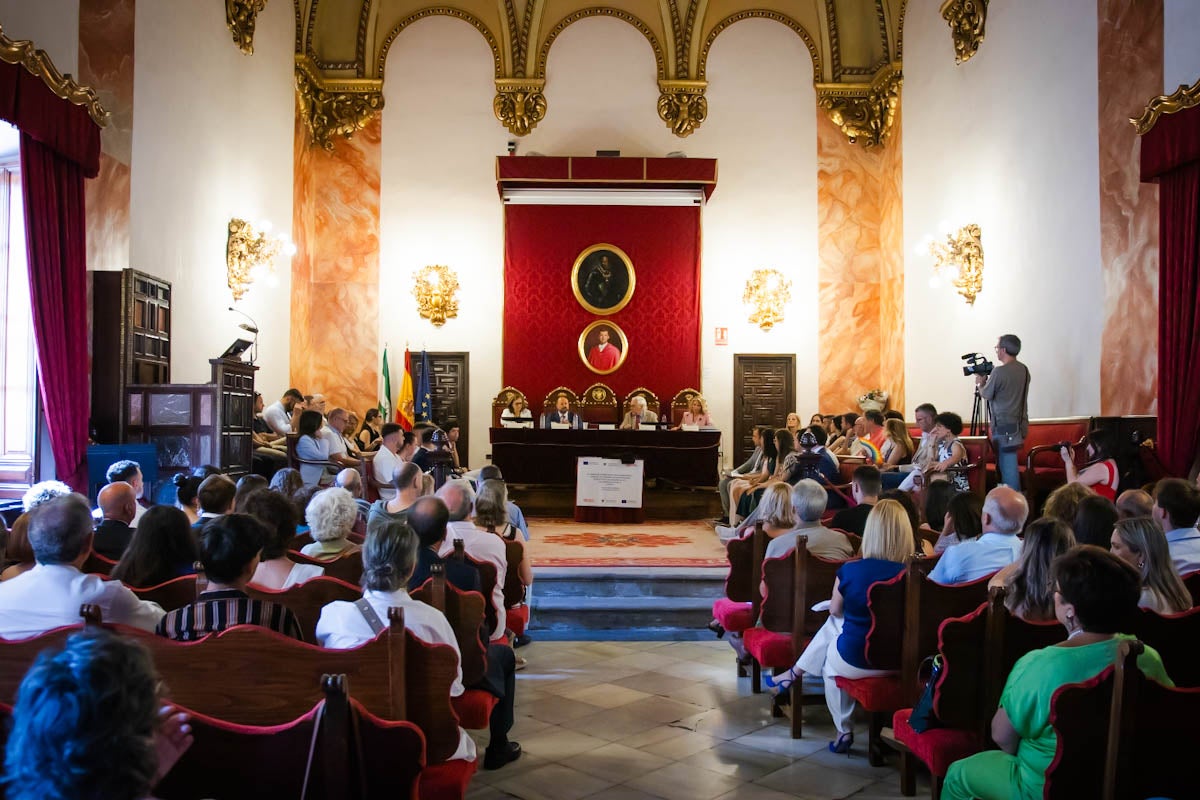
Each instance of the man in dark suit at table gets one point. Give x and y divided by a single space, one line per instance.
562 413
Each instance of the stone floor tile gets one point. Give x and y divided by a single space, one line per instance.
685 744
553 782
814 781
617 761
557 744
607 695
684 782
556 710
738 761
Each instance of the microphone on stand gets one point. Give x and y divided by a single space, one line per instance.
252 329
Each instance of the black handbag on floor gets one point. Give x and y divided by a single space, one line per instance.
923 718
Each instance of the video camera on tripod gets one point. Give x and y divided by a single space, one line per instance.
976 364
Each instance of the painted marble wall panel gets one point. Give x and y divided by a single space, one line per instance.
1130 72
848 343
335 275
106 52
891 287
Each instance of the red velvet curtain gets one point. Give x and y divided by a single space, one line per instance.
1171 156
543 320
60 146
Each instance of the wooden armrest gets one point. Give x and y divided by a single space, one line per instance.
1034 452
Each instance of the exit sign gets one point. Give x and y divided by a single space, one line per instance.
721 337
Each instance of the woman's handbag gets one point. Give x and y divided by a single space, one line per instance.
923 718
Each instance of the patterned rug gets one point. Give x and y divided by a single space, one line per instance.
566 543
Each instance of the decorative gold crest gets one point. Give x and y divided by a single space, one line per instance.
434 289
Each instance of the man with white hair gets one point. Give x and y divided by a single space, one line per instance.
808 501
638 414
1004 514
350 480
480 545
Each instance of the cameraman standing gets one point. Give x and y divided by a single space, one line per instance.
1007 393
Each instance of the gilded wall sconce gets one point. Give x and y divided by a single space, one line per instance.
962 255
435 288
247 250
767 292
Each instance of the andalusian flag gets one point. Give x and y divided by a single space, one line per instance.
404 403
385 389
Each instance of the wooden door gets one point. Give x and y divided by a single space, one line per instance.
764 393
448 389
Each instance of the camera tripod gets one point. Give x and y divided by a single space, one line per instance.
977 421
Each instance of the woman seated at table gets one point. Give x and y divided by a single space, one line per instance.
697 414
516 408
1095 593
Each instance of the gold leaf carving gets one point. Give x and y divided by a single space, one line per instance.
967 19
22 52
240 16
1182 98
520 104
335 108
864 113
682 105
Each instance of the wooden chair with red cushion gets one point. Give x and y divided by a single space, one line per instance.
598 405
501 401
1176 637
307 599
738 610
1038 461
681 403
487 583
173 594
516 614
97 564
348 568
652 403
978 452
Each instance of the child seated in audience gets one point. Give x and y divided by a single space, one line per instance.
229 549
331 516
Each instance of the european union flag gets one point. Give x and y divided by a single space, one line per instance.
424 393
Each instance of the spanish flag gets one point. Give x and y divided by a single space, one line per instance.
404 403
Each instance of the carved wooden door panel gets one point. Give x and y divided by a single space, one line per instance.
448 390
764 393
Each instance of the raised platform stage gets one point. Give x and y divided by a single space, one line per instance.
662 502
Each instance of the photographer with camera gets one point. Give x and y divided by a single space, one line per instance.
1006 390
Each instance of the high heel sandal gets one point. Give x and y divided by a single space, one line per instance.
841 745
780 680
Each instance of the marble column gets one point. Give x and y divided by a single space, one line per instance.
860 276
1130 58
106 64
335 272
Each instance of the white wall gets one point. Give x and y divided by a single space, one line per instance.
1181 44
212 139
1008 140
53 25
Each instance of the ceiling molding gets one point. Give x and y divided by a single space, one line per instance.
38 63
1183 98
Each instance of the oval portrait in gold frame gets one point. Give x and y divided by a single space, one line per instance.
603 347
603 279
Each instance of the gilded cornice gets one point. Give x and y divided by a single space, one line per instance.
759 13
865 113
682 105
599 11
23 53
967 19
520 104
331 108
1184 97
240 17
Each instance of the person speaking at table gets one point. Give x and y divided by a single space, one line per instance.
638 414
562 414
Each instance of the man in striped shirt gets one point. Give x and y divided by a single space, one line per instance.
229 547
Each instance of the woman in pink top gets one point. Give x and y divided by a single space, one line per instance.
697 413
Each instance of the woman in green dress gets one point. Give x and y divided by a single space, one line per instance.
1095 593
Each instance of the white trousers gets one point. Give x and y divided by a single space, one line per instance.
821 657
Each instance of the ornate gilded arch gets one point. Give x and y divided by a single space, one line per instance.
440 11
601 11
758 13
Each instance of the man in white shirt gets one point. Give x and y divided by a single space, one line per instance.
393 440
480 545
279 415
49 595
1004 513
1177 508
924 458
808 501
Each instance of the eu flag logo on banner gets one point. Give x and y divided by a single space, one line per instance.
424 394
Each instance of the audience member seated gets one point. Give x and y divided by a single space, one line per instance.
18 553
638 414
348 435
216 495
812 443
49 595
740 486
1141 542
1094 520
287 482
1176 508
89 723
1030 592
350 480
963 521
519 412
480 545
839 647
187 499
844 439
313 445
807 500
1101 472
898 446
387 459
948 451
369 436
270 448
1004 513
163 548
785 464
389 557
406 484
1134 503
1094 594
697 413
117 503
245 486
751 466
300 500
516 517
278 415
923 458
792 425
331 516
937 503
339 452
229 549
865 487
775 509
914 517
425 446
129 472
1063 502
491 515
453 431
278 516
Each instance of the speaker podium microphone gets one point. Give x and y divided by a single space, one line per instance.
252 329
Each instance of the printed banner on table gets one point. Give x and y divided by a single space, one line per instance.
606 482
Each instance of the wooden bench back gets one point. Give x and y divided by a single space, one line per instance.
487 583
173 594
514 590
739 584
348 568
307 599
464 610
794 583
1176 637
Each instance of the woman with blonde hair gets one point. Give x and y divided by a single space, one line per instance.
839 647
898 446
491 515
1063 502
696 414
1141 542
776 510
1029 589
